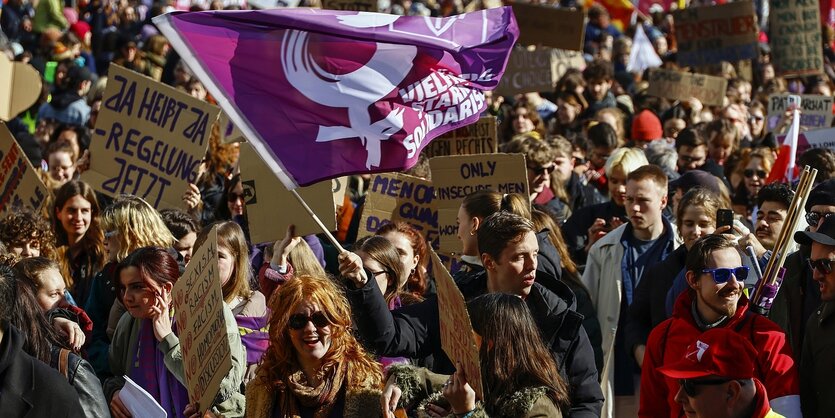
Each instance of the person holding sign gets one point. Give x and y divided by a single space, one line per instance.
314 366
508 246
248 306
520 375
146 348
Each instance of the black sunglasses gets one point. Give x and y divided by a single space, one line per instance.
812 218
749 173
722 275
299 321
233 197
543 170
823 265
690 385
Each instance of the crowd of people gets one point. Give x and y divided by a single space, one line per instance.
611 290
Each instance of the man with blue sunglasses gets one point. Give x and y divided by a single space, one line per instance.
715 277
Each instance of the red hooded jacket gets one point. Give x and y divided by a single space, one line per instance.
668 342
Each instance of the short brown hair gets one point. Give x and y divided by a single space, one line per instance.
500 229
649 172
703 248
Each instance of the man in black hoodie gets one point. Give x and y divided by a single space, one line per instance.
509 249
69 105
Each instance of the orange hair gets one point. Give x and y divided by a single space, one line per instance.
280 359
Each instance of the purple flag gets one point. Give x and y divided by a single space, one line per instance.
323 93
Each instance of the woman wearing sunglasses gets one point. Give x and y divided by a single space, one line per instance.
715 276
314 366
749 177
146 344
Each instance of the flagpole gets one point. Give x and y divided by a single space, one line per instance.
318 221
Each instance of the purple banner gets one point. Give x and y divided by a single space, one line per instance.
323 93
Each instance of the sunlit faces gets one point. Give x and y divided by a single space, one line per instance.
564 166
755 175
718 299
51 290
821 210
467 226
644 202
377 270
826 281
515 269
522 123
770 219
27 248
694 224
597 89
691 158
138 297
720 148
311 342
61 167
617 187
185 245
225 264
708 402
539 177
567 112
407 254
75 217
235 200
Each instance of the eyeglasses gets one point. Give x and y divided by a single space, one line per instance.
749 173
823 265
722 275
690 385
812 218
689 159
299 321
233 197
543 170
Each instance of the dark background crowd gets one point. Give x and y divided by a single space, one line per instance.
613 290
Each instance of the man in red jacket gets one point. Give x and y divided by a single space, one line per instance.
717 378
715 275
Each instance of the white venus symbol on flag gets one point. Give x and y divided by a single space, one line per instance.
355 91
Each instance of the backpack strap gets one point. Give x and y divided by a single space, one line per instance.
63 362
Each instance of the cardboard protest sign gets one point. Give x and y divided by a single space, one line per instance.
339 186
20 186
537 26
709 34
229 133
795 37
353 5
816 111
20 87
478 138
400 197
821 138
270 207
457 337
537 70
198 307
455 177
677 85
149 139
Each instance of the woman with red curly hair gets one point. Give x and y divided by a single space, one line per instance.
314 365
414 255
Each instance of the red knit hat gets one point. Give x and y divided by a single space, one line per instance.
80 29
646 127
717 352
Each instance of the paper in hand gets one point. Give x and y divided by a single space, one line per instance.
139 402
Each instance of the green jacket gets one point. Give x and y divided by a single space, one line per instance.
421 387
124 343
49 13
817 364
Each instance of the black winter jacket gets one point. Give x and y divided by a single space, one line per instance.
414 331
82 377
30 388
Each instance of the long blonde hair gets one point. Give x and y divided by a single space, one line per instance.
136 224
280 358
